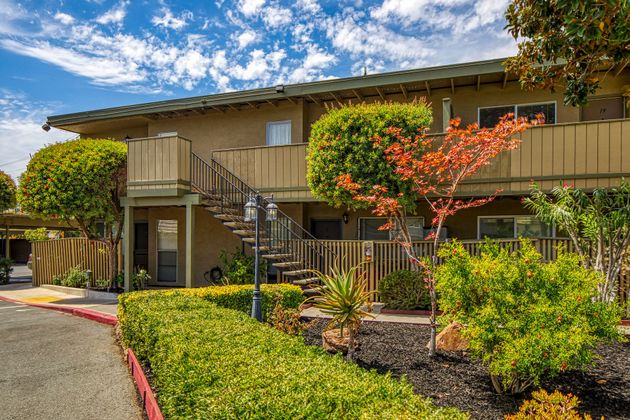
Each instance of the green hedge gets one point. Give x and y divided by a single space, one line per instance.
237 297
211 362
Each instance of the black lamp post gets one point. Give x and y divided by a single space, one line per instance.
252 212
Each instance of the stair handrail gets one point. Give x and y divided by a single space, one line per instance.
215 168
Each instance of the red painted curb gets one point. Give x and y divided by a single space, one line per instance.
148 398
80 312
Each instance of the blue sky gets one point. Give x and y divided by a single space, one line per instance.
59 57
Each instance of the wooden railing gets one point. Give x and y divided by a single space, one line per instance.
158 166
587 154
56 257
387 256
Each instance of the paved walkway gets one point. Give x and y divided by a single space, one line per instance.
26 293
56 366
406 319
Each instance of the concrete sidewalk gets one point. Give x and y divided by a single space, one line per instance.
26 293
313 312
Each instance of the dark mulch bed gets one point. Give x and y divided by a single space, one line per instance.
453 379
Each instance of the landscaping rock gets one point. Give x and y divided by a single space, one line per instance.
333 342
450 338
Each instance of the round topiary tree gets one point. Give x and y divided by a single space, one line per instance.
7 192
342 143
81 180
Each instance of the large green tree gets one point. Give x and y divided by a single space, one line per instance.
79 180
587 36
342 142
7 192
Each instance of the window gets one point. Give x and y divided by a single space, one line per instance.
490 116
278 132
368 229
167 250
497 227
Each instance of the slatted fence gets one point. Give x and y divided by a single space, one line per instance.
56 257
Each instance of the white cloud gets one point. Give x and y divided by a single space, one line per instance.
250 7
308 6
115 15
21 133
312 67
246 38
168 20
275 17
64 18
260 66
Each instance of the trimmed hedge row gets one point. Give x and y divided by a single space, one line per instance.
237 297
211 362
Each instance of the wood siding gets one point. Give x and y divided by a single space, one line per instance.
158 166
56 257
587 154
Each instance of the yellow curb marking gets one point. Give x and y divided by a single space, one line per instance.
40 299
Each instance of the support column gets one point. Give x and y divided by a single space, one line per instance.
7 243
128 243
190 225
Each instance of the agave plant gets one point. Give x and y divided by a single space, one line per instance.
343 297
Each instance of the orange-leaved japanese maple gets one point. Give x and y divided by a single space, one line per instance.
436 171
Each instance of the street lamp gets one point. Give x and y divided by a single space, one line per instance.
251 214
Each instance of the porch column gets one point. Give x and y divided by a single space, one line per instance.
190 225
128 243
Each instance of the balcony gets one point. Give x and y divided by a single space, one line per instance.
158 167
587 154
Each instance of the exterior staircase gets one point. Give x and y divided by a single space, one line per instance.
293 251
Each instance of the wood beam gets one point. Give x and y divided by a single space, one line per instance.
253 105
478 83
357 94
233 107
293 101
200 111
380 93
505 77
453 86
428 86
404 92
337 98
314 99
274 103
221 110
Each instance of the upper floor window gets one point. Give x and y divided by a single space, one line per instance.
490 116
278 132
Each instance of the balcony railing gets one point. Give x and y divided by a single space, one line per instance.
587 154
158 166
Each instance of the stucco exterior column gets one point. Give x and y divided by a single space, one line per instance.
190 224
128 243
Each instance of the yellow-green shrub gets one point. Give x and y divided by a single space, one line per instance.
209 362
549 406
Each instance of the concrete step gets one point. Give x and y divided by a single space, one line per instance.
297 273
265 248
314 291
288 264
306 282
230 217
244 232
251 240
276 256
240 225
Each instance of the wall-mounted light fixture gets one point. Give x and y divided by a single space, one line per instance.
279 88
345 218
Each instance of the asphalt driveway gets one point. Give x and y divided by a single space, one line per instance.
56 366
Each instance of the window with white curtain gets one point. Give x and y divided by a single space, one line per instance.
278 132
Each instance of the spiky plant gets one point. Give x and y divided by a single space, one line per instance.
343 297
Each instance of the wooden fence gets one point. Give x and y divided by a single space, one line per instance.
55 257
379 258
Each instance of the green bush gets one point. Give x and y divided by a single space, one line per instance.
341 142
140 279
404 289
39 234
238 268
524 318
549 406
209 362
75 277
7 192
237 297
5 270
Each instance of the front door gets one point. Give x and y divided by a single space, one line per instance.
330 229
141 245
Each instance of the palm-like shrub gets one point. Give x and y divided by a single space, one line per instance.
343 297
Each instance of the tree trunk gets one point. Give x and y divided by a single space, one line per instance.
113 265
